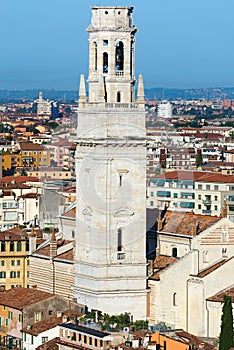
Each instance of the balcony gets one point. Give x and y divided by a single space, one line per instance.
206 211
119 73
166 194
206 201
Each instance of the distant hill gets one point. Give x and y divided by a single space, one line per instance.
188 94
158 93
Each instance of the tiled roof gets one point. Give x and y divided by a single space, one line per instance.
14 234
66 255
20 179
30 146
50 323
6 186
187 223
19 298
203 176
46 250
30 195
160 263
70 214
219 296
212 268
193 340
49 345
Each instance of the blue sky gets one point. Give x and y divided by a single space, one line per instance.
181 43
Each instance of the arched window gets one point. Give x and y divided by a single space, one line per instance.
3 246
118 96
174 252
174 301
105 62
19 246
119 56
119 240
12 246
95 55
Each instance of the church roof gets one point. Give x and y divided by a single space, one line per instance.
219 296
212 268
187 224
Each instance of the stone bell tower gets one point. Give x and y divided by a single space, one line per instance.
110 273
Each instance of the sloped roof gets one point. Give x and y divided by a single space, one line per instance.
19 298
160 263
14 234
212 268
219 296
184 223
203 176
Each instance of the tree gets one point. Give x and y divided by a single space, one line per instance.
226 335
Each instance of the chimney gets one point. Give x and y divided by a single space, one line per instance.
53 245
32 241
224 209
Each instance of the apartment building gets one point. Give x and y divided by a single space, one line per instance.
206 193
14 260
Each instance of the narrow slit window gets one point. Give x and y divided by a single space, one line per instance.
95 55
118 96
119 56
120 180
105 62
119 240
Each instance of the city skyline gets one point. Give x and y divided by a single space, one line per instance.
179 44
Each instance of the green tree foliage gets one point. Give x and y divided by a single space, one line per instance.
226 335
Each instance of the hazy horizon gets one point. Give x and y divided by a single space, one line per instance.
179 44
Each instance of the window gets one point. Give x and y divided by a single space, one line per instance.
105 42
95 343
19 247
12 246
18 274
174 299
10 314
174 252
224 252
3 246
199 206
6 321
20 317
119 240
2 274
85 339
208 187
12 262
105 62
215 207
205 256
199 197
27 262
199 187
32 339
13 274
175 195
119 56
151 203
27 274
2 263
27 246
216 198
79 337
216 187
18 262
44 340
37 316
90 341
118 96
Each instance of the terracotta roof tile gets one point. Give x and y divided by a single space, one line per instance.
70 214
46 250
187 223
193 340
203 176
66 255
219 296
14 234
212 268
19 298
30 146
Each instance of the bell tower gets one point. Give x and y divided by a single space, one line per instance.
110 272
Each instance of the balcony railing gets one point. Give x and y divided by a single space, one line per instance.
207 201
206 211
119 73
